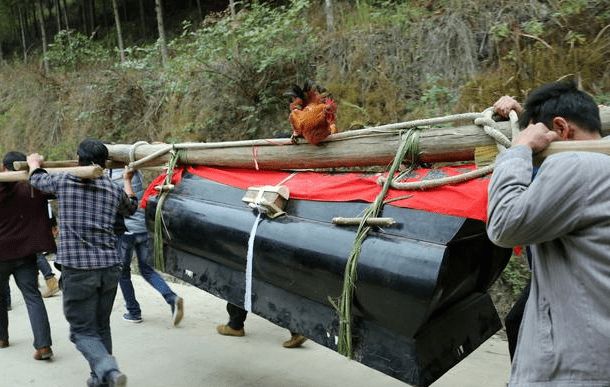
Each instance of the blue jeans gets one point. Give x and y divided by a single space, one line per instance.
25 273
43 266
141 242
88 296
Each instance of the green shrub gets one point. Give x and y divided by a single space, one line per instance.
71 49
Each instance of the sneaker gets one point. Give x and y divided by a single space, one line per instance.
116 379
177 310
44 353
226 330
3 343
93 381
295 341
132 319
52 287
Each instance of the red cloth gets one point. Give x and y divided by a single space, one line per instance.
468 200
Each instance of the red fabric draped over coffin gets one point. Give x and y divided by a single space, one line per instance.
467 200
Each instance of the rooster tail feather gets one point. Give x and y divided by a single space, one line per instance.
295 92
309 85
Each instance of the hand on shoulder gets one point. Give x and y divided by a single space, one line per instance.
536 136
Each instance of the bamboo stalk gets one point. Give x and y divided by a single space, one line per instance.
88 172
340 221
356 148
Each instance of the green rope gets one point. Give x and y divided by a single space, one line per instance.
159 259
344 309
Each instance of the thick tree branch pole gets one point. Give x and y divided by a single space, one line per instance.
23 165
88 172
356 148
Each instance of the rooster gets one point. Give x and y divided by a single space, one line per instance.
312 113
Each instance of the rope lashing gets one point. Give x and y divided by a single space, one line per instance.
482 119
514 124
132 153
488 126
344 307
152 156
164 190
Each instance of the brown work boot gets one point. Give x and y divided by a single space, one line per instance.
52 287
3 343
44 353
295 341
226 330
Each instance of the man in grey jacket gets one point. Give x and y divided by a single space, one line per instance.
564 215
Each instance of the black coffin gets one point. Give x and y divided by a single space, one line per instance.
421 302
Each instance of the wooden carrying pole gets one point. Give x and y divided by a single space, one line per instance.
356 148
88 172
23 165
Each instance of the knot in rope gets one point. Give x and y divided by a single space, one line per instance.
488 125
132 154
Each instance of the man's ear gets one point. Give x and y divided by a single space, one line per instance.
562 127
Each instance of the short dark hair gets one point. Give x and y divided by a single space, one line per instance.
11 157
92 152
561 99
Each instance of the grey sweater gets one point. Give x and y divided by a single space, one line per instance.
564 215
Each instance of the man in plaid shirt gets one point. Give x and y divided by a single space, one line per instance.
91 267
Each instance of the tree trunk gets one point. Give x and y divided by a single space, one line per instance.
105 13
83 17
142 19
330 18
92 16
43 35
65 14
356 148
232 7
199 10
119 34
30 23
162 40
22 28
125 16
57 15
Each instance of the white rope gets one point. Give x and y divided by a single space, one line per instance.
250 263
481 119
488 126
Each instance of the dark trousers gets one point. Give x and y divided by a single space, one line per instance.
237 317
43 266
25 273
7 295
88 296
513 319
